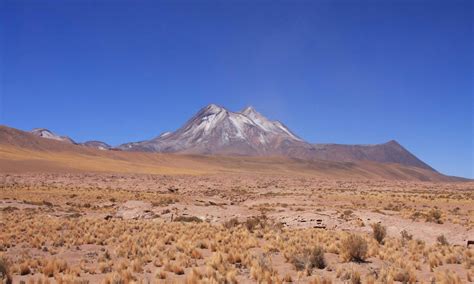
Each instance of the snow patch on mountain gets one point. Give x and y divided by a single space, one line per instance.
267 125
45 133
164 134
214 129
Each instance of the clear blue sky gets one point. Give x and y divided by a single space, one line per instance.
333 71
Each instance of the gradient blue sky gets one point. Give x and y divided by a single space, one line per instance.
333 71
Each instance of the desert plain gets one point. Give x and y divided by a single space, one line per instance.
74 215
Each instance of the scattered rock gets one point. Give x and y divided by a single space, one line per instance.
134 209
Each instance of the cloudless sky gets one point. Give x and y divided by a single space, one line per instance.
332 71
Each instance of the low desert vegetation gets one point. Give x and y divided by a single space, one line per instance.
354 248
441 239
309 259
379 232
66 229
5 275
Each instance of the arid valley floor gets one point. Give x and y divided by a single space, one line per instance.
119 228
71 214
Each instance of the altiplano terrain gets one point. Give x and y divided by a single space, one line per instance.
96 227
90 213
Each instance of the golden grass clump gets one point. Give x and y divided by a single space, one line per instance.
53 266
434 216
354 248
24 268
349 275
309 259
160 275
5 275
447 277
124 276
379 232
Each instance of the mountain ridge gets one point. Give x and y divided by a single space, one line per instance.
214 130
48 134
23 152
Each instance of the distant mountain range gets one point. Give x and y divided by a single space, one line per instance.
48 134
215 130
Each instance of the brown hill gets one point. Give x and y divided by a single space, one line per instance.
24 152
390 152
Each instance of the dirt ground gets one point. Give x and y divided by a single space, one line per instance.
233 228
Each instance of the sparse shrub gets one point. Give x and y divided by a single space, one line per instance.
347 214
194 277
137 266
434 261
287 278
173 267
188 219
321 280
68 279
441 239
5 271
231 223
404 275
253 222
355 277
299 262
178 270
160 275
47 203
416 215
48 270
316 259
406 236
309 259
195 254
434 216
9 209
349 276
379 232
24 268
447 277
118 277
104 267
53 266
354 248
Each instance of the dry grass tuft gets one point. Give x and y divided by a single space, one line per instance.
434 216
5 270
354 248
379 232
447 277
441 239
309 259
24 268
188 219
160 275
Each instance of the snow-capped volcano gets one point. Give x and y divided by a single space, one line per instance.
268 125
45 133
216 130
